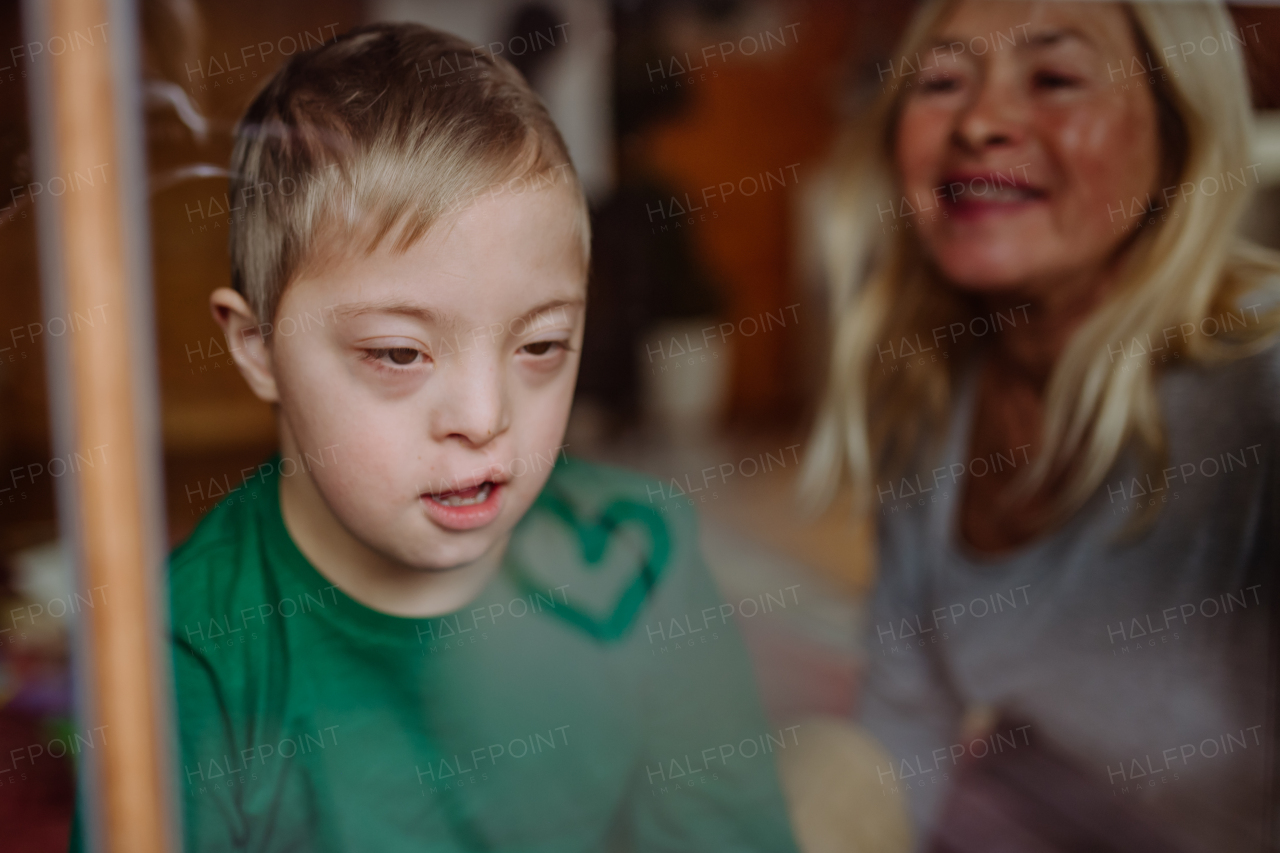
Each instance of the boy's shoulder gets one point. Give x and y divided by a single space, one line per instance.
224 524
222 561
596 533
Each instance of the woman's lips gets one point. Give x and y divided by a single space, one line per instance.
464 509
974 196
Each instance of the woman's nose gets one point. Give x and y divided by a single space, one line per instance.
994 117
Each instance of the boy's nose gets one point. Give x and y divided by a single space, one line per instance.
472 405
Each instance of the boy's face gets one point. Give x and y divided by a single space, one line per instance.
438 388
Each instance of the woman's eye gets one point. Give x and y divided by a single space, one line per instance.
401 356
939 84
541 347
1052 80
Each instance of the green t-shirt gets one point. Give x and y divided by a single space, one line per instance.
595 697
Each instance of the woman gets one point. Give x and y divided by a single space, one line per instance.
1046 331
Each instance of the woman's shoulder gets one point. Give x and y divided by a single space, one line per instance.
1246 385
1225 405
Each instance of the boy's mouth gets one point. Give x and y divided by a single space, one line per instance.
464 497
464 508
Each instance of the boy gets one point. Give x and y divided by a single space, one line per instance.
421 627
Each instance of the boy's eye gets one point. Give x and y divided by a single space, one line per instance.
401 356
541 347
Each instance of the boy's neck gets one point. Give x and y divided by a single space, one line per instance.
368 576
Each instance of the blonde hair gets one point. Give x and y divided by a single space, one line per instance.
1172 272
380 134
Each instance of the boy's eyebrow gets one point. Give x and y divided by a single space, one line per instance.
419 312
427 315
546 307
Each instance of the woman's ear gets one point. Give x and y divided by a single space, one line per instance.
246 342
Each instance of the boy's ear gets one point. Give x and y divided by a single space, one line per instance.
246 342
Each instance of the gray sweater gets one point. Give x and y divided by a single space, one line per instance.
1144 661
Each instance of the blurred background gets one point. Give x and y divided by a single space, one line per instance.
700 130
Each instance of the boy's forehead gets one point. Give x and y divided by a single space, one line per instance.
518 263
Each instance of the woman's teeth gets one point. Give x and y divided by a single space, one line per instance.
466 497
1006 195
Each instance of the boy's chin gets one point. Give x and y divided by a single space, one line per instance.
448 551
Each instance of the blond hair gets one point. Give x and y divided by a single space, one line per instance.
1172 272
380 134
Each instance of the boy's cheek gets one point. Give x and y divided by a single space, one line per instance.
542 415
324 402
379 455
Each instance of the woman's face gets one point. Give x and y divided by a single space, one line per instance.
1029 153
